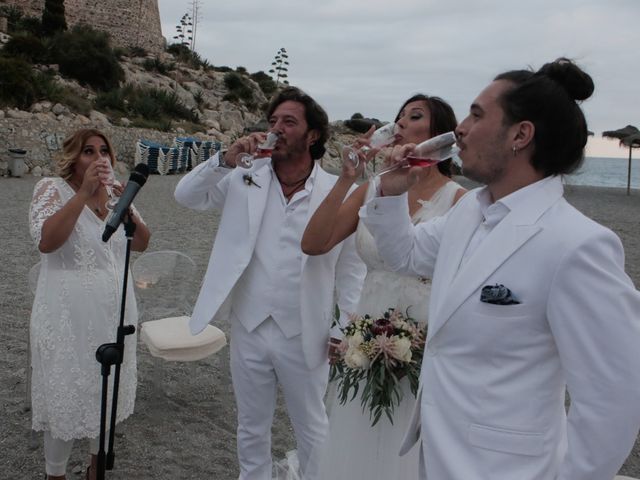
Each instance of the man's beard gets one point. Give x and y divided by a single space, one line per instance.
290 153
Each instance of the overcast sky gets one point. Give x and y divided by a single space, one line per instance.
368 56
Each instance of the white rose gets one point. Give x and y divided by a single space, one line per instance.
402 348
356 340
355 358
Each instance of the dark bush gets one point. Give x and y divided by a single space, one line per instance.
233 81
222 69
30 25
27 46
241 70
265 82
86 55
16 83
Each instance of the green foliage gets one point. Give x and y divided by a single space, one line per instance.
53 20
357 116
30 25
199 98
265 82
238 86
47 88
223 69
145 103
86 55
26 46
187 56
16 83
241 70
13 15
154 64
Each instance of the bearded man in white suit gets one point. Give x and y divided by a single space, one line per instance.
530 298
281 301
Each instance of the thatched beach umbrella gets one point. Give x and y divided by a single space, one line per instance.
629 136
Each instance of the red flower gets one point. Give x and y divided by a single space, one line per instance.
383 326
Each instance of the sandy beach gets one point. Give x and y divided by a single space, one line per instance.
187 432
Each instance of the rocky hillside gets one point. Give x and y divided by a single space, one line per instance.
225 108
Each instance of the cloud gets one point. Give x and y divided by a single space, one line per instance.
368 56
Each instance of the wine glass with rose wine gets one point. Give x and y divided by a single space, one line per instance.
245 160
429 152
382 137
109 180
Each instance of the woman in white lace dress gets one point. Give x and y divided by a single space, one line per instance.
355 449
77 301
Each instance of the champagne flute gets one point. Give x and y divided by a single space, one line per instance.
382 137
428 153
109 180
245 160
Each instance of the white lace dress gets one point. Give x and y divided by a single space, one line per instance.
76 309
354 449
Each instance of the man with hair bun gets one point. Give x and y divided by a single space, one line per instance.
530 299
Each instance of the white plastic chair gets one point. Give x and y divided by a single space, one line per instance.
163 282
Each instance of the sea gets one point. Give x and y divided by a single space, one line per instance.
606 172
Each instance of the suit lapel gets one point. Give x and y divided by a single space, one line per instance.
456 283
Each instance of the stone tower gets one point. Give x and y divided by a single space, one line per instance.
131 23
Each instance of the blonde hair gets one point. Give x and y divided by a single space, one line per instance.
72 149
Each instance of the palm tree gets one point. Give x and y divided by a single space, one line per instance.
630 137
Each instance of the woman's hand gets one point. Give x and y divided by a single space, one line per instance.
91 179
398 180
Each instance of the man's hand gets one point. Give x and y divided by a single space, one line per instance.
247 144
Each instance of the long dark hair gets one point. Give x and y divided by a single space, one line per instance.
442 120
315 116
549 99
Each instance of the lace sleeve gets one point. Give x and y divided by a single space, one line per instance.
45 202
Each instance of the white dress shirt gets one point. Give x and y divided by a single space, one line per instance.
270 285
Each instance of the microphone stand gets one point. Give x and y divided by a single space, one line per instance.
109 354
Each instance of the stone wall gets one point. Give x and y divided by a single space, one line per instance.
42 134
131 23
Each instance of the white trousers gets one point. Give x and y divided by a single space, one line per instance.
57 453
259 360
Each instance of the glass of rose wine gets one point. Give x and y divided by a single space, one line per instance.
245 160
429 152
382 137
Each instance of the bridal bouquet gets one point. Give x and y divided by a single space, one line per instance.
373 356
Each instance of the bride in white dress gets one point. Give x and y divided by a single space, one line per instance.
354 449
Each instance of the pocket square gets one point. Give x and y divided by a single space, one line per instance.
497 295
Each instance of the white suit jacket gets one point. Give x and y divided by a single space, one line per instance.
242 207
494 376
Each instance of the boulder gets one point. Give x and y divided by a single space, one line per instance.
99 118
37 171
18 114
59 109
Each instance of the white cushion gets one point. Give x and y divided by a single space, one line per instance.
170 339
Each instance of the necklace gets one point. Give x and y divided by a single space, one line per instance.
293 186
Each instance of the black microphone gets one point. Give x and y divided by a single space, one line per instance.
136 180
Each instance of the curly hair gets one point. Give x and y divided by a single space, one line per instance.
317 119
